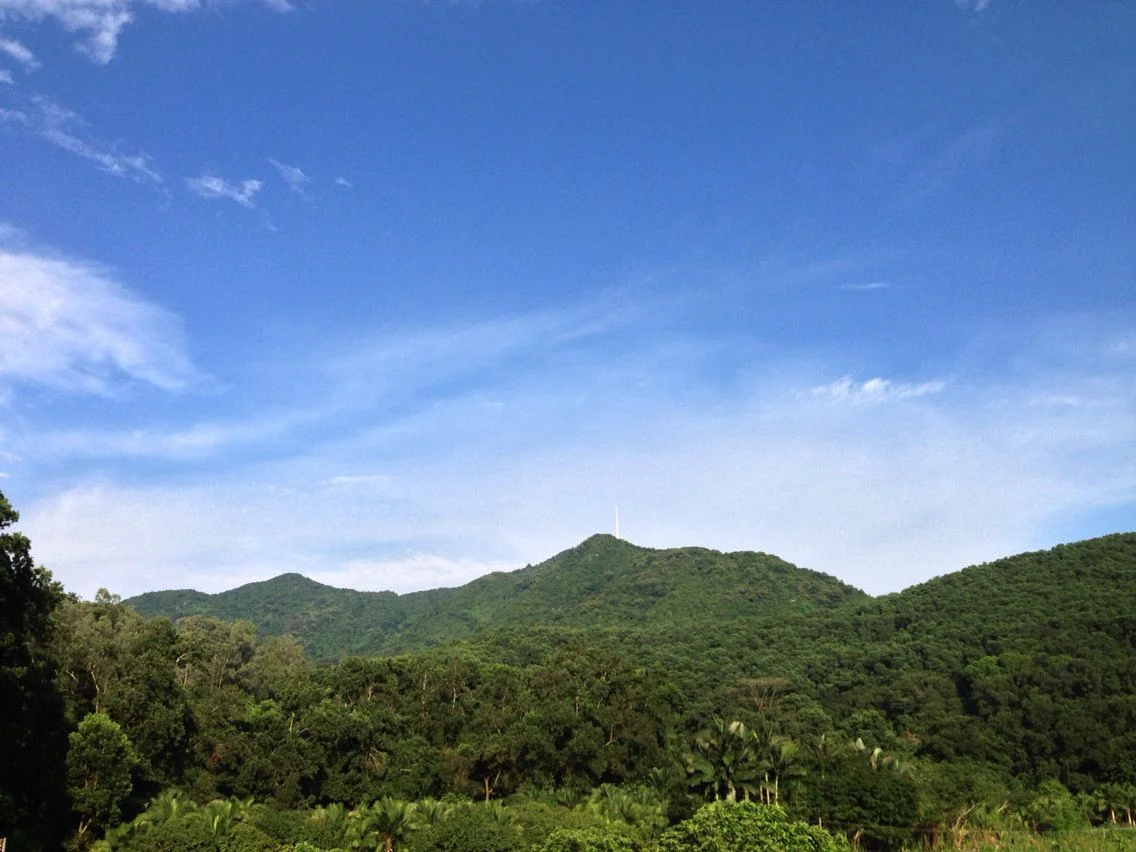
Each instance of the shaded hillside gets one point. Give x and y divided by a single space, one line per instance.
602 584
1027 662
985 649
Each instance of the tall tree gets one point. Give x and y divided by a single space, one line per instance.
33 743
100 763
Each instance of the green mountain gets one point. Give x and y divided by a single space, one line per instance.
985 685
603 584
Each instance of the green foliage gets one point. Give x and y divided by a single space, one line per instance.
33 740
588 840
636 685
1053 808
473 828
603 583
187 832
118 663
247 837
100 762
730 826
873 803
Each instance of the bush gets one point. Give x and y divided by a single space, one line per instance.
474 828
731 826
246 837
587 840
185 833
538 820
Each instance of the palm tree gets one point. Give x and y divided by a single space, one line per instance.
382 825
1125 798
784 762
724 761
334 819
167 805
499 812
431 812
825 751
223 814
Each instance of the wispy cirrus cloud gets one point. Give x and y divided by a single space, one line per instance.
99 23
211 186
67 130
876 389
16 51
867 286
69 325
292 175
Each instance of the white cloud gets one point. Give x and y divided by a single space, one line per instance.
867 286
57 128
67 130
100 22
365 481
344 182
70 325
18 52
211 186
291 175
6 77
874 390
431 478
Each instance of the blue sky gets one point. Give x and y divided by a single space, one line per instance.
396 293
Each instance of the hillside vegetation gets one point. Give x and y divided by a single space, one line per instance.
611 698
602 584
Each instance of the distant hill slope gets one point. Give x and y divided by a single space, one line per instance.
1074 604
604 583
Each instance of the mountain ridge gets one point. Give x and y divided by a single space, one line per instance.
600 582
610 587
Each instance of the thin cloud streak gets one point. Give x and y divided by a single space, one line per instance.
99 23
292 175
876 389
16 51
212 187
66 129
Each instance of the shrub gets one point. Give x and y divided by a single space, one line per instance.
587 840
731 826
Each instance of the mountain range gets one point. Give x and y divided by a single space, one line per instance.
604 583
620 593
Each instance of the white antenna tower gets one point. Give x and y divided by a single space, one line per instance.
617 520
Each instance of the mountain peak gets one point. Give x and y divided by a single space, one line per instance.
604 541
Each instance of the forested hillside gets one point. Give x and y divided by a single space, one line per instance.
598 701
602 584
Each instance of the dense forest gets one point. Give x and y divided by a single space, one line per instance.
611 698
